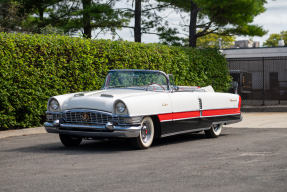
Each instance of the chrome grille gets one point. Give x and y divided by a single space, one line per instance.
91 117
94 117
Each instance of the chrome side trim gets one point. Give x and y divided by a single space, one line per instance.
200 110
185 118
185 111
187 131
221 115
199 117
166 120
179 119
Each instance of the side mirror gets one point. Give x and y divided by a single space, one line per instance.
175 88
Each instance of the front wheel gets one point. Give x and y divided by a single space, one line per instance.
214 131
70 141
145 139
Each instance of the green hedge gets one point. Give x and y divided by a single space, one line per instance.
36 67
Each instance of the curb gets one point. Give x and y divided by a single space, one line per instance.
282 108
22 132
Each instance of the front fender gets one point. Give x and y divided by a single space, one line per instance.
157 103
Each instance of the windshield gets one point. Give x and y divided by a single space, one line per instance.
146 80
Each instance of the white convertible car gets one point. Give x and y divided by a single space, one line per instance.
140 105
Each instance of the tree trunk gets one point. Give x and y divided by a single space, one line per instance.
87 19
41 14
192 25
137 29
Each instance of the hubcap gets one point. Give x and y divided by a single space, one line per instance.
146 132
216 128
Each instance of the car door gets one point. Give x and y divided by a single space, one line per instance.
185 111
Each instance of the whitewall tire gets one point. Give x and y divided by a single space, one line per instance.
214 131
145 139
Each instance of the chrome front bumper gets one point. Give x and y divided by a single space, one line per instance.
93 131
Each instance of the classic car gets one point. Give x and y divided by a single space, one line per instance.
140 105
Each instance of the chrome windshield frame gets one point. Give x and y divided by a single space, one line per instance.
138 70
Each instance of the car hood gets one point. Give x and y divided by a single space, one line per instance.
101 100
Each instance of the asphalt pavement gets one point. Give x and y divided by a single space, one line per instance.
239 160
249 157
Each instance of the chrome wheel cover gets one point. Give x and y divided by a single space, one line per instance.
216 128
146 131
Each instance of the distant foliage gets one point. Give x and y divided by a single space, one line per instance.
36 67
273 39
11 20
50 30
211 41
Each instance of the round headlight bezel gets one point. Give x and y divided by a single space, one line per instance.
54 104
120 107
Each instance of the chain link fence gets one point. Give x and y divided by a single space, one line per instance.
260 81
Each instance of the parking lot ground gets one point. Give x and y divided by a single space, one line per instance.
239 160
262 120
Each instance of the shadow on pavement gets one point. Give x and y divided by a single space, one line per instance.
107 146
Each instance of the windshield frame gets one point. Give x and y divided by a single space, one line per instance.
136 70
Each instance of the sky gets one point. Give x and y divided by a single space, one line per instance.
274 20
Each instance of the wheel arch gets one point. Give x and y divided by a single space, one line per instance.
157 126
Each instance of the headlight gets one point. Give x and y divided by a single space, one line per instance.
121 107
54 104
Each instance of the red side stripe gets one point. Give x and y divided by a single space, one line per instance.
191 114
164 117
182 115
219 112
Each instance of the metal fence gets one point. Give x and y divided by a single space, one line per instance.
261 81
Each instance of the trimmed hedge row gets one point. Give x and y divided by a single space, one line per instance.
36 67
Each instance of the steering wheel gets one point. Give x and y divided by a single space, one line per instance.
156 84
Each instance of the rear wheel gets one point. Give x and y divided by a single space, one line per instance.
145 139
69 140
214 131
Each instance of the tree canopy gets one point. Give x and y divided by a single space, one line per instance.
222 17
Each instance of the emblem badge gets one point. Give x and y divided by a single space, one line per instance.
85 117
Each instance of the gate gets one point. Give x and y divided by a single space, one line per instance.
261 81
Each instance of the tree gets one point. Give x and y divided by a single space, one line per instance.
37 9
222 17
10 18
35 15
145 15
273 39
92 14
137 29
